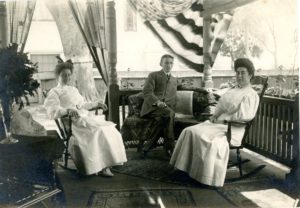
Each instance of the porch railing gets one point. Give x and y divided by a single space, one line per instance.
272 133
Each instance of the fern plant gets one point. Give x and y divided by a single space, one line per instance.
16 75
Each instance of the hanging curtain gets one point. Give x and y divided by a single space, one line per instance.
178 24
19 18
90 18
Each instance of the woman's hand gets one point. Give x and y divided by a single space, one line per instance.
102 106
73 113
213 118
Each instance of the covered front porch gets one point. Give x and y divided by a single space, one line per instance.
151 182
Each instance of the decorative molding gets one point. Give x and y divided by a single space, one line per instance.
216 6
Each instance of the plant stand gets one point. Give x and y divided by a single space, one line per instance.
27 174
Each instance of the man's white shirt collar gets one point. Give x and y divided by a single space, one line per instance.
168 74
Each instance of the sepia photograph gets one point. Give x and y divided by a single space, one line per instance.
149 103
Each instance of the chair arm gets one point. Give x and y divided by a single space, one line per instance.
229 124
206 114
96 110
236 122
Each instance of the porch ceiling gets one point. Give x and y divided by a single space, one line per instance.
215 6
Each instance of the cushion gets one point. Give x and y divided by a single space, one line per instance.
203 102
184 102
23 123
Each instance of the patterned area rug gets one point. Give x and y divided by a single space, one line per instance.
142 198
156 167
268 193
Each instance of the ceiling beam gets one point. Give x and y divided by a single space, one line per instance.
216 6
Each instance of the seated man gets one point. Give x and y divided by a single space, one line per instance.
159 103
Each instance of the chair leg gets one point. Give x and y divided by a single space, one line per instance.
239 161
66 153
66 159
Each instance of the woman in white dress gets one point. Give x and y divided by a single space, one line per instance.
95 144
202 150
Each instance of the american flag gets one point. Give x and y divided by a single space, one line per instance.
183 35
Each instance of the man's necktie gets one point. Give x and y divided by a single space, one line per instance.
168 76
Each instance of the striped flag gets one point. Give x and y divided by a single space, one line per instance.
179 25
183 35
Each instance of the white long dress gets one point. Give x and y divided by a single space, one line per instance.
95 143
202 150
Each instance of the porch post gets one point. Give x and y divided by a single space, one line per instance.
3 44
207 38
3 25
293 178
113 87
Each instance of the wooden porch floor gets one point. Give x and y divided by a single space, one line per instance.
78 189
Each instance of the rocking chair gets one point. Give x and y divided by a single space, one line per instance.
64 125
257 80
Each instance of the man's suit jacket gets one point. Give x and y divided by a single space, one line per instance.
159 87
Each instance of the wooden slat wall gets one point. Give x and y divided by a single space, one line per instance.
272 131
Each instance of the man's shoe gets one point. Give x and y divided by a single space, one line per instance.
143 154
169 148
169 152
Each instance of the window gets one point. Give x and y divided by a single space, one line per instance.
46 62
130 18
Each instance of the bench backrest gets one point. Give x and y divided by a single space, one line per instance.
188 102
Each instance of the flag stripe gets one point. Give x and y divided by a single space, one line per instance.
180 38
186 21
190 59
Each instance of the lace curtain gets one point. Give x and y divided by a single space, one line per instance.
90 18
19 18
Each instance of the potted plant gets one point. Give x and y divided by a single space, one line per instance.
16 83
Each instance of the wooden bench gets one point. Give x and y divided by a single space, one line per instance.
190 106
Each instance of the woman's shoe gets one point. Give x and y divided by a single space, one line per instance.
106 172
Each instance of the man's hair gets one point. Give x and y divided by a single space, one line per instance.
165 56
244 62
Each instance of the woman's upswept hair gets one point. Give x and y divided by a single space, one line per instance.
62 65
244 62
